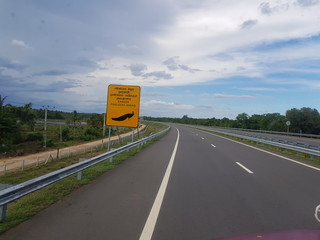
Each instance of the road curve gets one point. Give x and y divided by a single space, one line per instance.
216 188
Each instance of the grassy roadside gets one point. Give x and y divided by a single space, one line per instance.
303 157
58 136
29 205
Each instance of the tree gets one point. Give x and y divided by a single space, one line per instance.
96 121
2 104
9 129
305 119
185 119
27 115
255 122
274 122
75 118
243 120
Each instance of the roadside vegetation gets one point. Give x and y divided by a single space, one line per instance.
304 120
23 130
27 206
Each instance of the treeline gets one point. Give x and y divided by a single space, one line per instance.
19 128
304 120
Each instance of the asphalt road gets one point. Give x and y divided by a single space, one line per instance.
216 188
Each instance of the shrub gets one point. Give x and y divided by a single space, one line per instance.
34 137
91 134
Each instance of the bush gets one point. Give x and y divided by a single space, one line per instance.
66 134
51 143
91 134
34 137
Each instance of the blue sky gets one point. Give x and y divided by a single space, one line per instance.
201 58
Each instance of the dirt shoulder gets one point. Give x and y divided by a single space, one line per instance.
15 163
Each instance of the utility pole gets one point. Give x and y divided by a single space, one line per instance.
45 126
104 126
60 134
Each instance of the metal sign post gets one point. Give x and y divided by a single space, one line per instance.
132 134
288 123
109 139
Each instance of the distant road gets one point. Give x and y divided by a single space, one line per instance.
292 139
212 188
60 123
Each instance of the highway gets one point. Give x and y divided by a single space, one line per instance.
188 185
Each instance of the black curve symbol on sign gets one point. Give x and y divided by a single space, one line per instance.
123 117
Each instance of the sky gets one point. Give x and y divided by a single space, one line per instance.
201 58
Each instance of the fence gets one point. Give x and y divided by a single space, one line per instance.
45 157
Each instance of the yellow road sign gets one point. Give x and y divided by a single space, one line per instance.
123 106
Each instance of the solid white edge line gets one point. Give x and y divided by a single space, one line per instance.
277 155
248 170
317 213
154 213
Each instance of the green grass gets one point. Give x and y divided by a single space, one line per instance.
29 205
274 149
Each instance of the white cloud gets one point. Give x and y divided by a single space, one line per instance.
158 75
167 105
170 109
155 94
218 95
262 89
132 49
20 44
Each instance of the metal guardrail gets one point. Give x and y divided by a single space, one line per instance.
273 132
15 192
273 142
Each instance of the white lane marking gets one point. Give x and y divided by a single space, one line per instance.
202 138
248 170
154 213
277 155
213 145
317 213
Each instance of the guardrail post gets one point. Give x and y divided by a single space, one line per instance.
111 159
22 167
3 212
80 173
